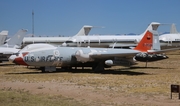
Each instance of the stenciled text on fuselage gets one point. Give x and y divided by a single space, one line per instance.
49 58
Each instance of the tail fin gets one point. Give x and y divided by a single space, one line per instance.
145 43
84 30
173 29
17 39
150 41
3 35
152 26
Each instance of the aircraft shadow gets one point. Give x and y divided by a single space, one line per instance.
5 64
124 71
138 67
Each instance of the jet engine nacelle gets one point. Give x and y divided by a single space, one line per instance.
144 57
82 57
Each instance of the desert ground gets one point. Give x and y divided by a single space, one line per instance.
117 86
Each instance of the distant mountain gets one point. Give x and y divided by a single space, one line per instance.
128 34
164 33
131 34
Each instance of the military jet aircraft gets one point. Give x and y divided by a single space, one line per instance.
49 57
13 45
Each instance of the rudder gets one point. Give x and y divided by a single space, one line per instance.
146 42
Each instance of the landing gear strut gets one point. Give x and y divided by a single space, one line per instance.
99 67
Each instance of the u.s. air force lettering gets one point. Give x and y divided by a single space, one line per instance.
49 58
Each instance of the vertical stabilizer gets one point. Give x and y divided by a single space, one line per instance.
152 26
173 29
3 35
149 42
84 30
146 42
17 39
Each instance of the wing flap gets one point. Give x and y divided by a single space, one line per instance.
122 45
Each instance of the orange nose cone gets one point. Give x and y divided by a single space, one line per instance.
20 61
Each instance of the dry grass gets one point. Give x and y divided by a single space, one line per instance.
148 83
9 97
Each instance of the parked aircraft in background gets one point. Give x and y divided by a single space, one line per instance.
55 40
12 46
3 36
49 57
171 39
120 41
91 40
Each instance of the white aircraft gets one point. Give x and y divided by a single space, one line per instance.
91 40
3 36
55 40
172 39
49 57
12 46
108 40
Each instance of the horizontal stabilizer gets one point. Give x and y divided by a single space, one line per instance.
164 50
152 26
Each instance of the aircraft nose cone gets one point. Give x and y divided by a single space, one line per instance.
12 58
17 60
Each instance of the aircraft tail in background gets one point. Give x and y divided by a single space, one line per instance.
152 26
16 40
84 30
3 35
173 29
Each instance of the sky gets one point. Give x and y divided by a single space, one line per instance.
67 17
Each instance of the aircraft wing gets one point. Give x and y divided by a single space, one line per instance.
4 56
7 51
112 55
104 54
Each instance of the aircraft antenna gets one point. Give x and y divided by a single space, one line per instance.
32 23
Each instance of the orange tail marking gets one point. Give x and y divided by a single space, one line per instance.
145 43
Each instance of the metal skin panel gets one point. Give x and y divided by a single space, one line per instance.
64 56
